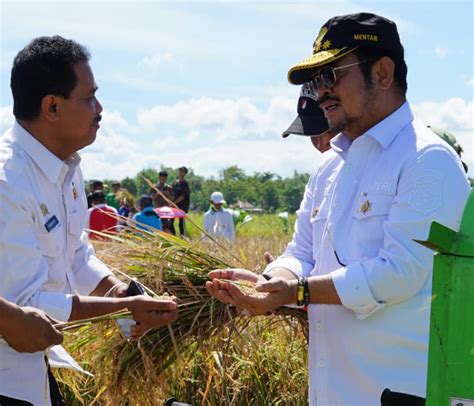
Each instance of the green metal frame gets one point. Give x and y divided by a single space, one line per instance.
451 347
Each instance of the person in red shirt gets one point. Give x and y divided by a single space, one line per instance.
102 217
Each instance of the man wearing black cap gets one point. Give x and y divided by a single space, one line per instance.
353 259
310 121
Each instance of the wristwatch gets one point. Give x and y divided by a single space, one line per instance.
303 292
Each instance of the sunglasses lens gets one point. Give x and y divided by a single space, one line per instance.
313 87
328 77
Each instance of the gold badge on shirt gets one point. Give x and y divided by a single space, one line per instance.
315 211
44 209
74 192
365 207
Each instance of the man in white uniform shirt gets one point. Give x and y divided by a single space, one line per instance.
218 221
46 261
352 257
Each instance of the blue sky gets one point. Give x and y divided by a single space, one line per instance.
203 84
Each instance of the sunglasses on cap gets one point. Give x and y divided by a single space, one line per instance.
327 76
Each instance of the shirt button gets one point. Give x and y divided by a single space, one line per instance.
318 325
349 167
321 364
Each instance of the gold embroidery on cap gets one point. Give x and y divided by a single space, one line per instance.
317 42
44 209
366 37
327 44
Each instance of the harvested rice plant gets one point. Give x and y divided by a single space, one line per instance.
211 355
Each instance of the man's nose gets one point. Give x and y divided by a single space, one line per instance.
98 107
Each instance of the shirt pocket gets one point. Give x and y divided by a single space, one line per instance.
76 227
319 218
367 225
52 244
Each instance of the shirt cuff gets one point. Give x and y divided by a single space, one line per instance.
295 266
55 304
354 291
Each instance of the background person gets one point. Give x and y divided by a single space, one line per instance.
310 121
101 217
147 216
159 201
386 178
94 186
51 265
218 221
182 197
111 198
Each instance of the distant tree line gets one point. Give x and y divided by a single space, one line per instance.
265 190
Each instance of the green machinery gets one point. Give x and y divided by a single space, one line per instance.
451 348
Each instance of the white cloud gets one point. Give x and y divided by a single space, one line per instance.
470 82
441 52
223 118
6 118
156 61
455 115
146 84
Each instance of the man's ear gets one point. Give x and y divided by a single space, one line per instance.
50 107
383 72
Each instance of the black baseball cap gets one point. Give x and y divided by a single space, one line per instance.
341 35
310 120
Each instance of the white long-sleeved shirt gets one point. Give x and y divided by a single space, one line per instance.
44 254
357 221
219 224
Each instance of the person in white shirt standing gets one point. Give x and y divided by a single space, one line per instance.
218 221
46 260
353 258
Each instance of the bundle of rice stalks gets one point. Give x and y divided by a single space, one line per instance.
165 265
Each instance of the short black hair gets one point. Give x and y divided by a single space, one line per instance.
45 66
183 168
163 173
98 197
97 184
146 201
373 54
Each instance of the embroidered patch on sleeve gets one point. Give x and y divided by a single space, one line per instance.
425 196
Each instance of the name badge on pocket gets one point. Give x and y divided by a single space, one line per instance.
51 224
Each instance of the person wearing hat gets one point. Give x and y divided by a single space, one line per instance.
218 221
353 259
451 140
310 121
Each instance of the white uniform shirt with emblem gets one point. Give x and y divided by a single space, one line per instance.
44 254
357 221
219 224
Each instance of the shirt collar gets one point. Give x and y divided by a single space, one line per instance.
383 132
389 128
49 163
148 208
